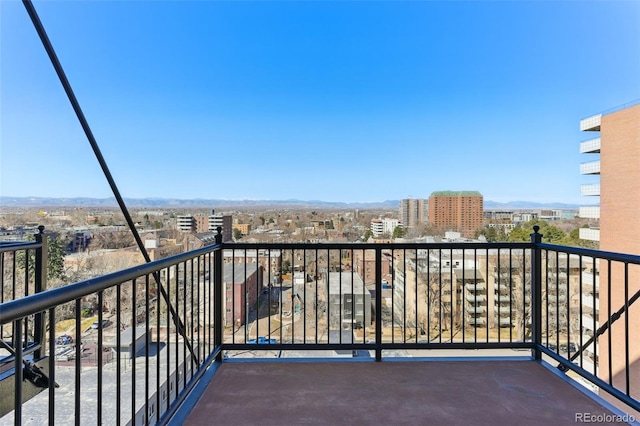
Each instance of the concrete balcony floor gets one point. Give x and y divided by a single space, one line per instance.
448 392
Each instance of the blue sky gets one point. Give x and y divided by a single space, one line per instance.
336 101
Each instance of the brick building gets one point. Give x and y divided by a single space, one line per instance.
242 285
618 170
460 211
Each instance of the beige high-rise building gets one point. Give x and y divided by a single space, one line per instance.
413 212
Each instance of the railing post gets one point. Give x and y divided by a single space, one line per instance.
19 376
378 304
218 299
40 284
536 292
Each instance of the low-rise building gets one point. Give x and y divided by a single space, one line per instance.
349 302
242 286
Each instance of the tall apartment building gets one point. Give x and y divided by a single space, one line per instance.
376 227
202 223
223 221
413 212
618 169
206 223
186 223
460 211
383 226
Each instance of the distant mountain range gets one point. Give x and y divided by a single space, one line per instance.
202 203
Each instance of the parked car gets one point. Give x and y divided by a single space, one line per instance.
572 347
65 339
96 324
263 340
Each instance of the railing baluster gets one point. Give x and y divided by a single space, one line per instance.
147 338
378 273
303 310
78 362
546 297
627 362
99 350
52 366
315 280
189 315
132 354
118 353
168 334
418 329
580 312
17 404
185 297
269 290
158 349
557 297
609 338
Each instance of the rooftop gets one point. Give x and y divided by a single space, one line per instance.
456 194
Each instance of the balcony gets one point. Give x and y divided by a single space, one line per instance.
476 320
590 190
591 123
174 353
505 321
588 302
590 168
591 146
476 309
476 298
589 212
503 288
590 234
475 287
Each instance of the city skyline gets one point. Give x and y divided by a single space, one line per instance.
335 101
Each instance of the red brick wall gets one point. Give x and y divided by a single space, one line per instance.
462 214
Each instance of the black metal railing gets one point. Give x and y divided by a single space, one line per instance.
378 297
234 300
131 359
23 272
590 317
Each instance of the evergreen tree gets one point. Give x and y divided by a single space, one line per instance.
55 259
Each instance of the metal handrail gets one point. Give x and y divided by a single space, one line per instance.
609 255
383 246
39 302
12 246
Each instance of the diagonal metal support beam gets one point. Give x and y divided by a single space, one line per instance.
604 327
44 38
